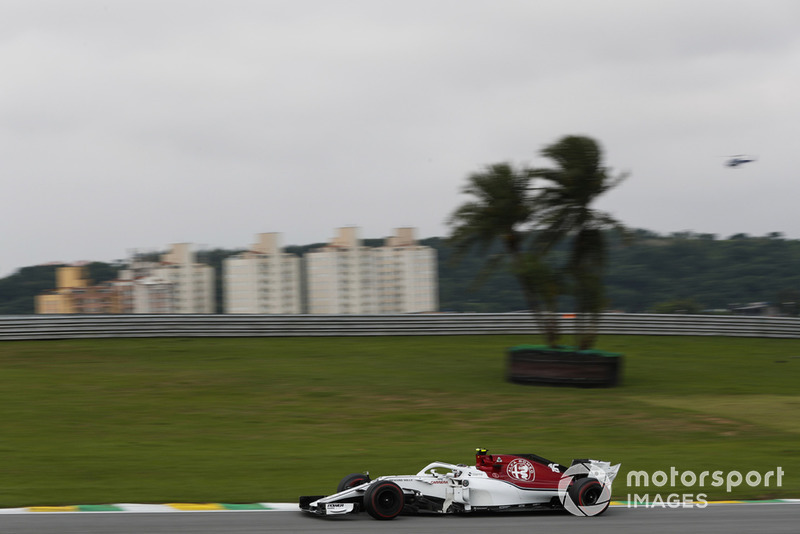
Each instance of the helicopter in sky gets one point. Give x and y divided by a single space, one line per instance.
739 159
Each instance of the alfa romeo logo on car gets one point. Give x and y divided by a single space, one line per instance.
521 469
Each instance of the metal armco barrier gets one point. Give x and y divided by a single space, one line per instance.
34 327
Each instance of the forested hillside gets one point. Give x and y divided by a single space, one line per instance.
680 272
709 272
655 273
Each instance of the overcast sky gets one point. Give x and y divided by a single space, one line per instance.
136 124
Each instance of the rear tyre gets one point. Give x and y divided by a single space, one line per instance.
588 492
351 481
384 500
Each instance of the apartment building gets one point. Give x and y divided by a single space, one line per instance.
263 279
74 293
150 293
341 277
407 275
192 282
58 300
346 277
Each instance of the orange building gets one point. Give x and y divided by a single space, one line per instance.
75 294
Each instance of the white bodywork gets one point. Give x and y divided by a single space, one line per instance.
467 487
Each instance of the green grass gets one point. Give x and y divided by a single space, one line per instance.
254 420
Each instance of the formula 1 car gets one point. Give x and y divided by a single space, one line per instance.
502 482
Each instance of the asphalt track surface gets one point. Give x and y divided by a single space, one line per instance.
744 519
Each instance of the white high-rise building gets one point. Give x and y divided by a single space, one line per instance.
348 278
341 276
263 279
407 275
193 283
150 293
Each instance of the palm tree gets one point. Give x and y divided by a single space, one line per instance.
572 185
503 209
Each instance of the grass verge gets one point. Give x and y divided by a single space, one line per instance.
268 419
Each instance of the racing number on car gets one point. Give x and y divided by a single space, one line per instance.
521 469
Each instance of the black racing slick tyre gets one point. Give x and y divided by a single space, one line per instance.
351 481
587 492
384 500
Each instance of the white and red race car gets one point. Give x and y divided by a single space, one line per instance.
501 482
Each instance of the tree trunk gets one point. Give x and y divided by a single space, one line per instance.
546 319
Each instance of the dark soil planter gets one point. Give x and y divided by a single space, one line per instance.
563 366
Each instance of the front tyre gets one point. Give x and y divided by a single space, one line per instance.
351 481
384 500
